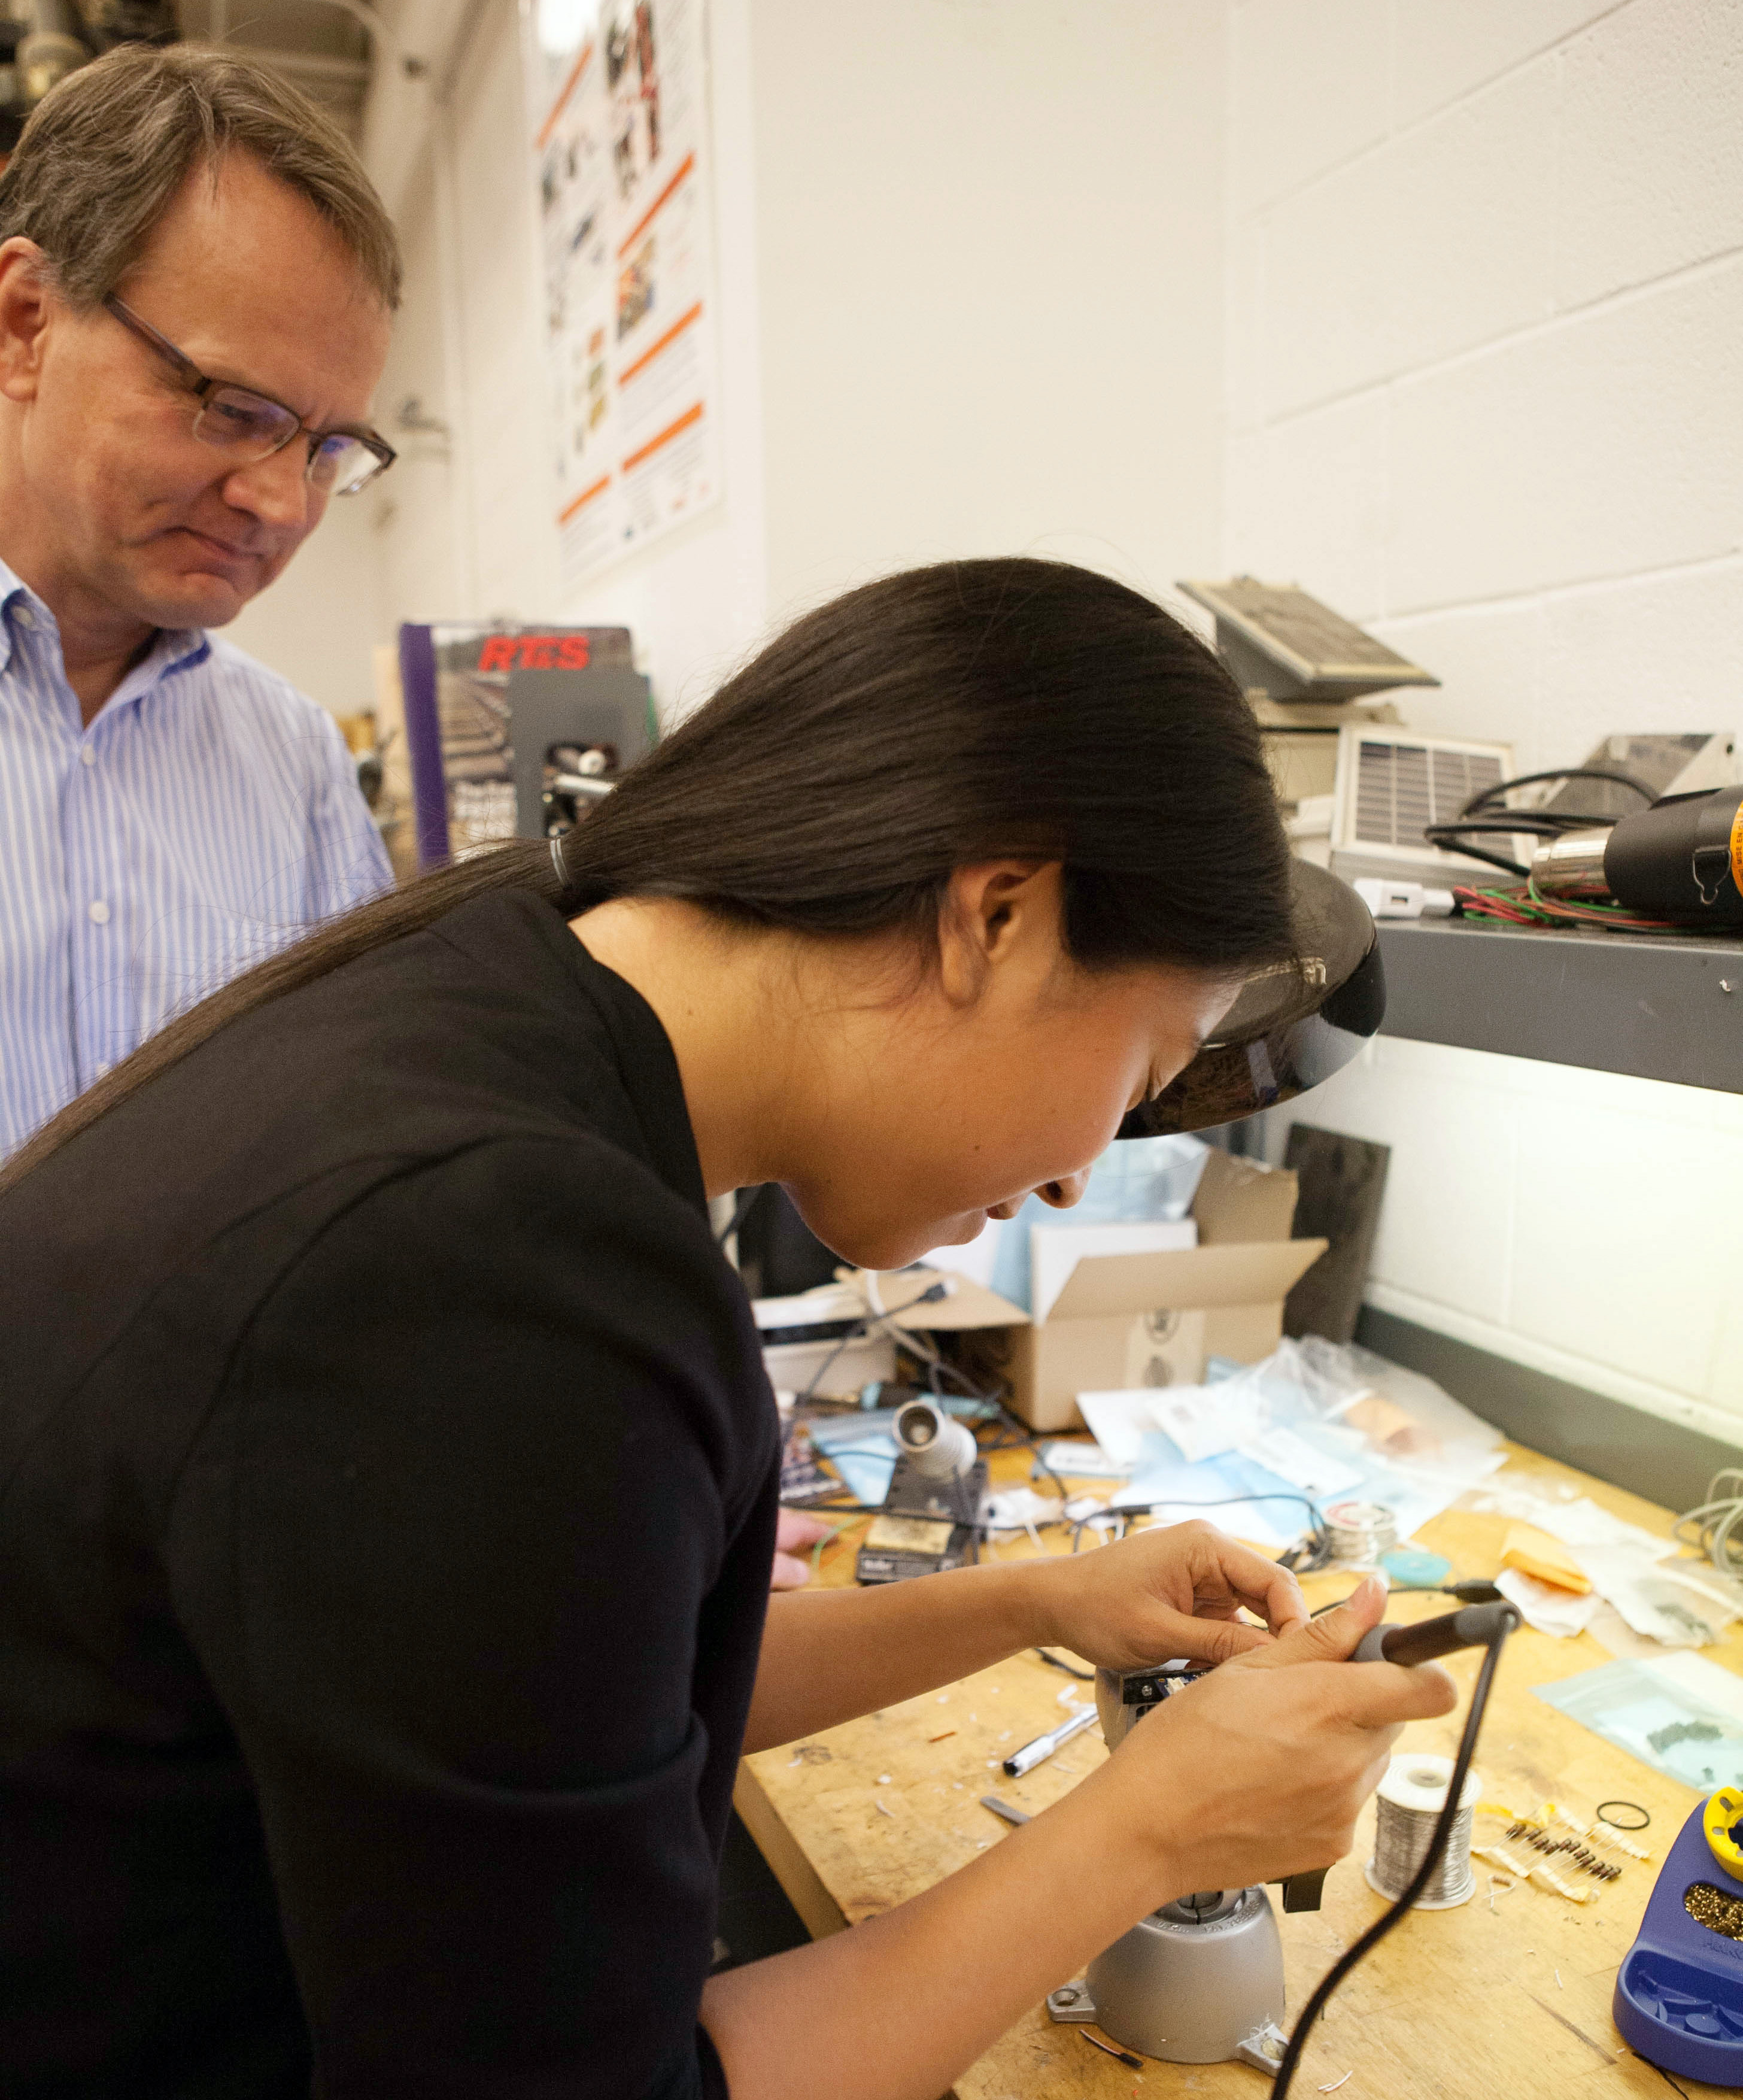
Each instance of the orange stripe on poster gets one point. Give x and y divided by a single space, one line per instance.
569 86
586 496
677 328
671 430
684 167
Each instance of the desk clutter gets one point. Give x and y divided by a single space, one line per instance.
1329 1455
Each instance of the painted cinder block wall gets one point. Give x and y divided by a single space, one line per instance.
1435 305
1485 391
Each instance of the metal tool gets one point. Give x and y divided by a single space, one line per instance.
1003 1808
1043 1746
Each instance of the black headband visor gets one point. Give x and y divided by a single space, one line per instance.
1293 1024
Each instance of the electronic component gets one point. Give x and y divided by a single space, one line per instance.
936 1507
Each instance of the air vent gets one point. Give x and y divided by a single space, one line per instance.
1402 788
1392 784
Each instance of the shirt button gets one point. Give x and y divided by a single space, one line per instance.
99 913
87 756
25 617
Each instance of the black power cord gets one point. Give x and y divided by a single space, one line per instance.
1472 1591
1305 1558
1438 1844
1487 812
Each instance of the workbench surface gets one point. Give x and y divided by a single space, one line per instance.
1502 1996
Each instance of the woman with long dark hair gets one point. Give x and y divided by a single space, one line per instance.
389 1474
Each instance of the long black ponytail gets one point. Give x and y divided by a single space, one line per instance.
947 715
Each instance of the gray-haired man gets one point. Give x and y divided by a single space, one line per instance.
196 287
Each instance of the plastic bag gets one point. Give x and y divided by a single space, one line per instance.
1141 1178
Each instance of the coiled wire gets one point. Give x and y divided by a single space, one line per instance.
1715 1526
1360 1531
1406 1809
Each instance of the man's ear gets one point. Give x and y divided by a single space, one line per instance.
992 910
25 306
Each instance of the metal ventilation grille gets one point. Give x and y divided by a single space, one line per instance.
1400 788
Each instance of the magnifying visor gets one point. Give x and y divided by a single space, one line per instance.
1294 1024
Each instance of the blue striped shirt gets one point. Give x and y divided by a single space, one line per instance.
208 815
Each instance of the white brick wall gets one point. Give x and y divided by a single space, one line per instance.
1484 300
1435 305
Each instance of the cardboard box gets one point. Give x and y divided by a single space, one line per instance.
1125 1320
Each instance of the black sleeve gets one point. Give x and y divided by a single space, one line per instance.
464 1552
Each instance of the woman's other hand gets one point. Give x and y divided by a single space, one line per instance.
794 1531
1174 1591
1260 1769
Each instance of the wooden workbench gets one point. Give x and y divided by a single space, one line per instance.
1491 1999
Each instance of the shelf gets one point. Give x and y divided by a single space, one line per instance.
1655 1007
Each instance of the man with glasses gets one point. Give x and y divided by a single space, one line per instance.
196 287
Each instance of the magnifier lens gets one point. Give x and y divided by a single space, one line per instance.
1293 1024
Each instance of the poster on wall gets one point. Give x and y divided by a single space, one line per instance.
622 160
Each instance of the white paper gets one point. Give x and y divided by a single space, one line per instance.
1577 1522
1253 1521
1013 1509
1083 1462
1054 1251
1549 1610
1120 1422
1667 1601
1203 1420
1292 1459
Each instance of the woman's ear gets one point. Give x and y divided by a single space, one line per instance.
994 912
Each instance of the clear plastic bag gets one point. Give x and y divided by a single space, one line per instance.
1140 1180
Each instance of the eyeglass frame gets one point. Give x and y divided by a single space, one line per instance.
202 386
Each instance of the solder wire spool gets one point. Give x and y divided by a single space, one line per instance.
1406 1806
1360 1531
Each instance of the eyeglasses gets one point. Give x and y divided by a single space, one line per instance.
251 427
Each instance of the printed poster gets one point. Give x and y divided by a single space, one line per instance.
626 217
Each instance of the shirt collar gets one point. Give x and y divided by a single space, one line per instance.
11 587
174 647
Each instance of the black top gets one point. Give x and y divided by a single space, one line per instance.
387 1495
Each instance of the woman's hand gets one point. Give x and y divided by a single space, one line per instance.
1174 1591
1260 1769
794 1531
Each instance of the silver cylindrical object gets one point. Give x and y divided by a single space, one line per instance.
1032 1753
1571 867
1361 1532
1191 1982
1406 1808
935 1446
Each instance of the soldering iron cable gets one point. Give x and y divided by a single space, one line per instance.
1438 1844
